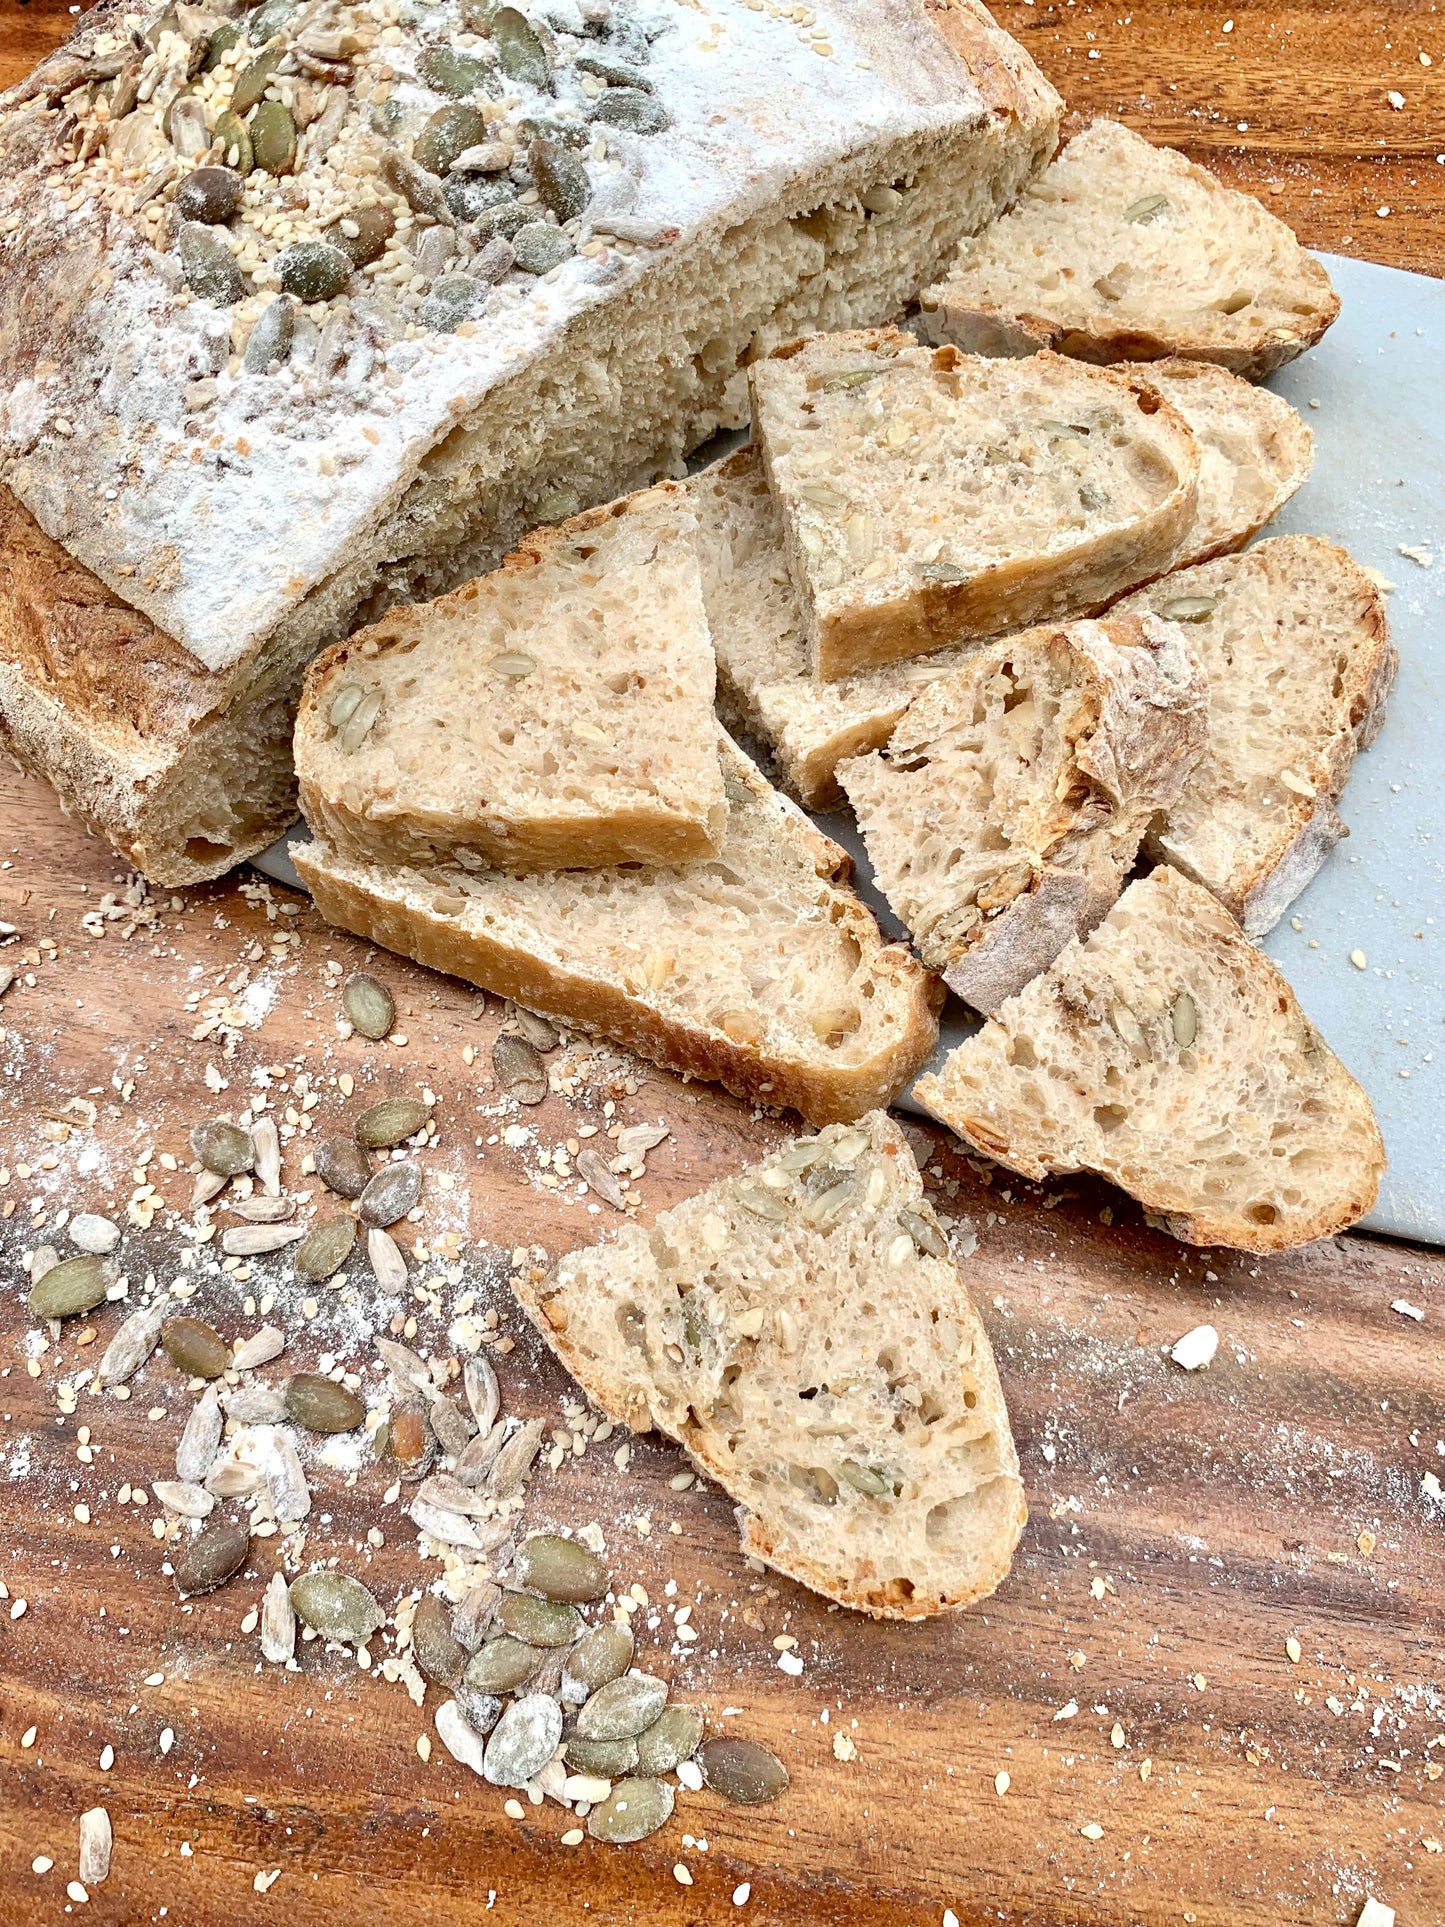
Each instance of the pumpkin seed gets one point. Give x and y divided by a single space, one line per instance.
928 1238
200 1437
212 1556
452 1427
387 1264
316 271
610 1758
1184 1017
513 663
449 132
514 1461
470 197
623 1708
481 1711
439 1654
389 1122
393 1192
483 1393
519 49
73 1286
252 81
454 299
561 180
210 194
221 42
598 1658
278 1622
343 1167
523 1740
674 1735
194 1347
540 1622
1188 608
474 1464
742 1771
321 1406
368 1005
596 1176
336 1606
233 137
520 1071
1146 208
630 108
459 1737
501 1665
559 1568
617 73
259 1349
374 226
272 335
190 1501
866 1479
224 1148
326 1249
450 71
762 1203
538 248
132 1345
633 1810
269 20
474 1615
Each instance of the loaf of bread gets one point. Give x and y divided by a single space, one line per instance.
285 336
555 714
929 497
1168 1054
803 1333
1008 805
1123 251
1295 642
758 968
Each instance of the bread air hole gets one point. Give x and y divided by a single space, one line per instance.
1108 1117
951 1526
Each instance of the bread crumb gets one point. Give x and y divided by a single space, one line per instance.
1196 1348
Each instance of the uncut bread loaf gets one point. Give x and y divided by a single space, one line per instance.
803 1333
1168 1054
1123 251
758 967
1008 805
1295 642
281 343
929 497
555 714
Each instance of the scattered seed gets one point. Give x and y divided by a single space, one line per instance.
132 1345
674 1735
452 1427
259 1349
439 1653
190 1501
623 1708
514 1461
201 1438
441 1489
259 1240
459 1736
286 1479
483 1393
602 1655
343 1167
336 1606
407 1438
481 1711
452 1529
742 1771
389 1122
596 1176
206 1187
278 1622
321 1406
213 1555
368 1005
96 1841
523 1740
194 1347
387 1263
501 1665
74 1286
474 1615
259 1209
559 1568
540 1622
395 1190
223 1148
520 1070
539 1032
326 1248
633 1810
477 1460
267 1140
97 1236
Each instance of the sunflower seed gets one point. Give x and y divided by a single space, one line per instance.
515 664
207 1186
674 1735
537 1031
321 1406
476 1462
459 1737
194 1347
278 1622
267 1140
514 1461
1184 1019
395 1190
866 1479
540 1622
97 1236
483 1393
1147 208
256 1404
43 1261
638 1139
762 1203
286 1479
212 1556
263 1210
501 1665
559 1568
387 1263
623 1708
1188 608
343 1167
452 1427
259 1240
452 1496
439 1654
407 1367
132 1345
259 1349
523 1740
191 1501
474 1615
612 1758
388 1122
520 1070
633 1809
596 1176
326 1248
200 1438
548 1676
368 1003
481 1711
602 1656
230 1479
742 1771
75 1285
928 1238
96 1841
336 1606
223 1148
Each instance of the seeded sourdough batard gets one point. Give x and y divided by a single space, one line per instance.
200 489
1295 642
803 1333
1169 1055
757 967
930 497
555 714
1005 812
1123 251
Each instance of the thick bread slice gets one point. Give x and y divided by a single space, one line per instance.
754 967
1123 251
1168 1054
931 498
802 1331
555 714
1295 642
1003 816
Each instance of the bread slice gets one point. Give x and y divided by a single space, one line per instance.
1168 1054
555 714
1008 806
757 967
931 498
1123 251
803 1332
1295 642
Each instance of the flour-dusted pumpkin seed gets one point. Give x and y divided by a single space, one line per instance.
259 1349
538 248
560 178
200 1437
260 1209
212 1556
343 1167
610 1758
368 1005
223 1148
474 1615
623 1708
452 1427
523 1740
519 48
194 1347
540 1622
742 1771
630 108
73 1286
336 1606
387 1264
321 1406
278 1621
450 71
460 1738
475 1464
633 1810
520 1070
131 1346
210 268
501 1665
96 1236
596 1176
259 1240
190 1501
925 1235
559 1568
515 1459
484 1395
599 1657
674 1735
327 1247
390 1121
210 194
439 1653
395 1190
539 1032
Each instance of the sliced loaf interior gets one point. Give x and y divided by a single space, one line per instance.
1294 639
1123 251
1168 1054
755 967
931 498
804 1333
1003 816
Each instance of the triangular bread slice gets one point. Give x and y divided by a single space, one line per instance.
756 967
931 498
1168 1054
557 713
1008 806
1294 639
802 1331
1123 251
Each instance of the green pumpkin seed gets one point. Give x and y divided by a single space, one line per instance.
609 1758
374 227
560 178
559 1568
520 1071
513 663
631 1811
501 1665
926 1236
212 1556
395 1190
1188 608
866 1479
390 1121
223 1148
454 299
194 1347
1146 208
540 1622
221 42
617 73
235 142
252 81
762 1203
210 194
269 20
439 1654
469 197
623 1708
271 337
1184 1017
316 271
74 1286
321 1406
539 248
742 1771
519 48
326 1248
454 73
336 1606
674 1736
449 132
344 704
368 1005
343 1167
630 108
601 1656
